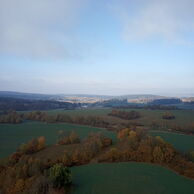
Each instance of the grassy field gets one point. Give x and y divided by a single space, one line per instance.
87 112
183 117
134 178
13 135
181 142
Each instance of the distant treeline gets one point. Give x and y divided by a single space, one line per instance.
161 104
189 103
125 114
166 101
14 118
168 116
149 107
64 118
110 103
25 105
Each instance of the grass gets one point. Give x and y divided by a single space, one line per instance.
181 142
83 112
182 117
13 135
135 178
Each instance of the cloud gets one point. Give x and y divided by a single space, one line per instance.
170 20
38 28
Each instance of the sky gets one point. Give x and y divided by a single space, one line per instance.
111 47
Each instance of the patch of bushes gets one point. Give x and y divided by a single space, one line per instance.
139 147
60 176
32 146
168 116
71 138
125 115
11 117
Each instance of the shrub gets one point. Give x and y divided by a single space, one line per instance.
40 186
64 139
74 138
106 142
113 155
168 115
191 155
60 176
32 146
125 114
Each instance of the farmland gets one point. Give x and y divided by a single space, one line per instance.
20 133
182 117
90 177
181 142
95 112
12 136
17 134
136 178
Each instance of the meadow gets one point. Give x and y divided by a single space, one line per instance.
181 142
136 178
182 117
83 112
13 135
114 178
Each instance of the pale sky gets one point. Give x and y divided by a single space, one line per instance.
97 47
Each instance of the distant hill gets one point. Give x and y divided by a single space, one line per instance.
18 104
166 101
21 95
141 98
36 96
138 96
52 101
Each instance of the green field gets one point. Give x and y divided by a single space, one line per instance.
83 112
183 117
129 178
181 142
13 135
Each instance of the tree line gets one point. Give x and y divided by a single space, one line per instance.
11 117
29 105
95 121
149 107
14 118
127 115
168 116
